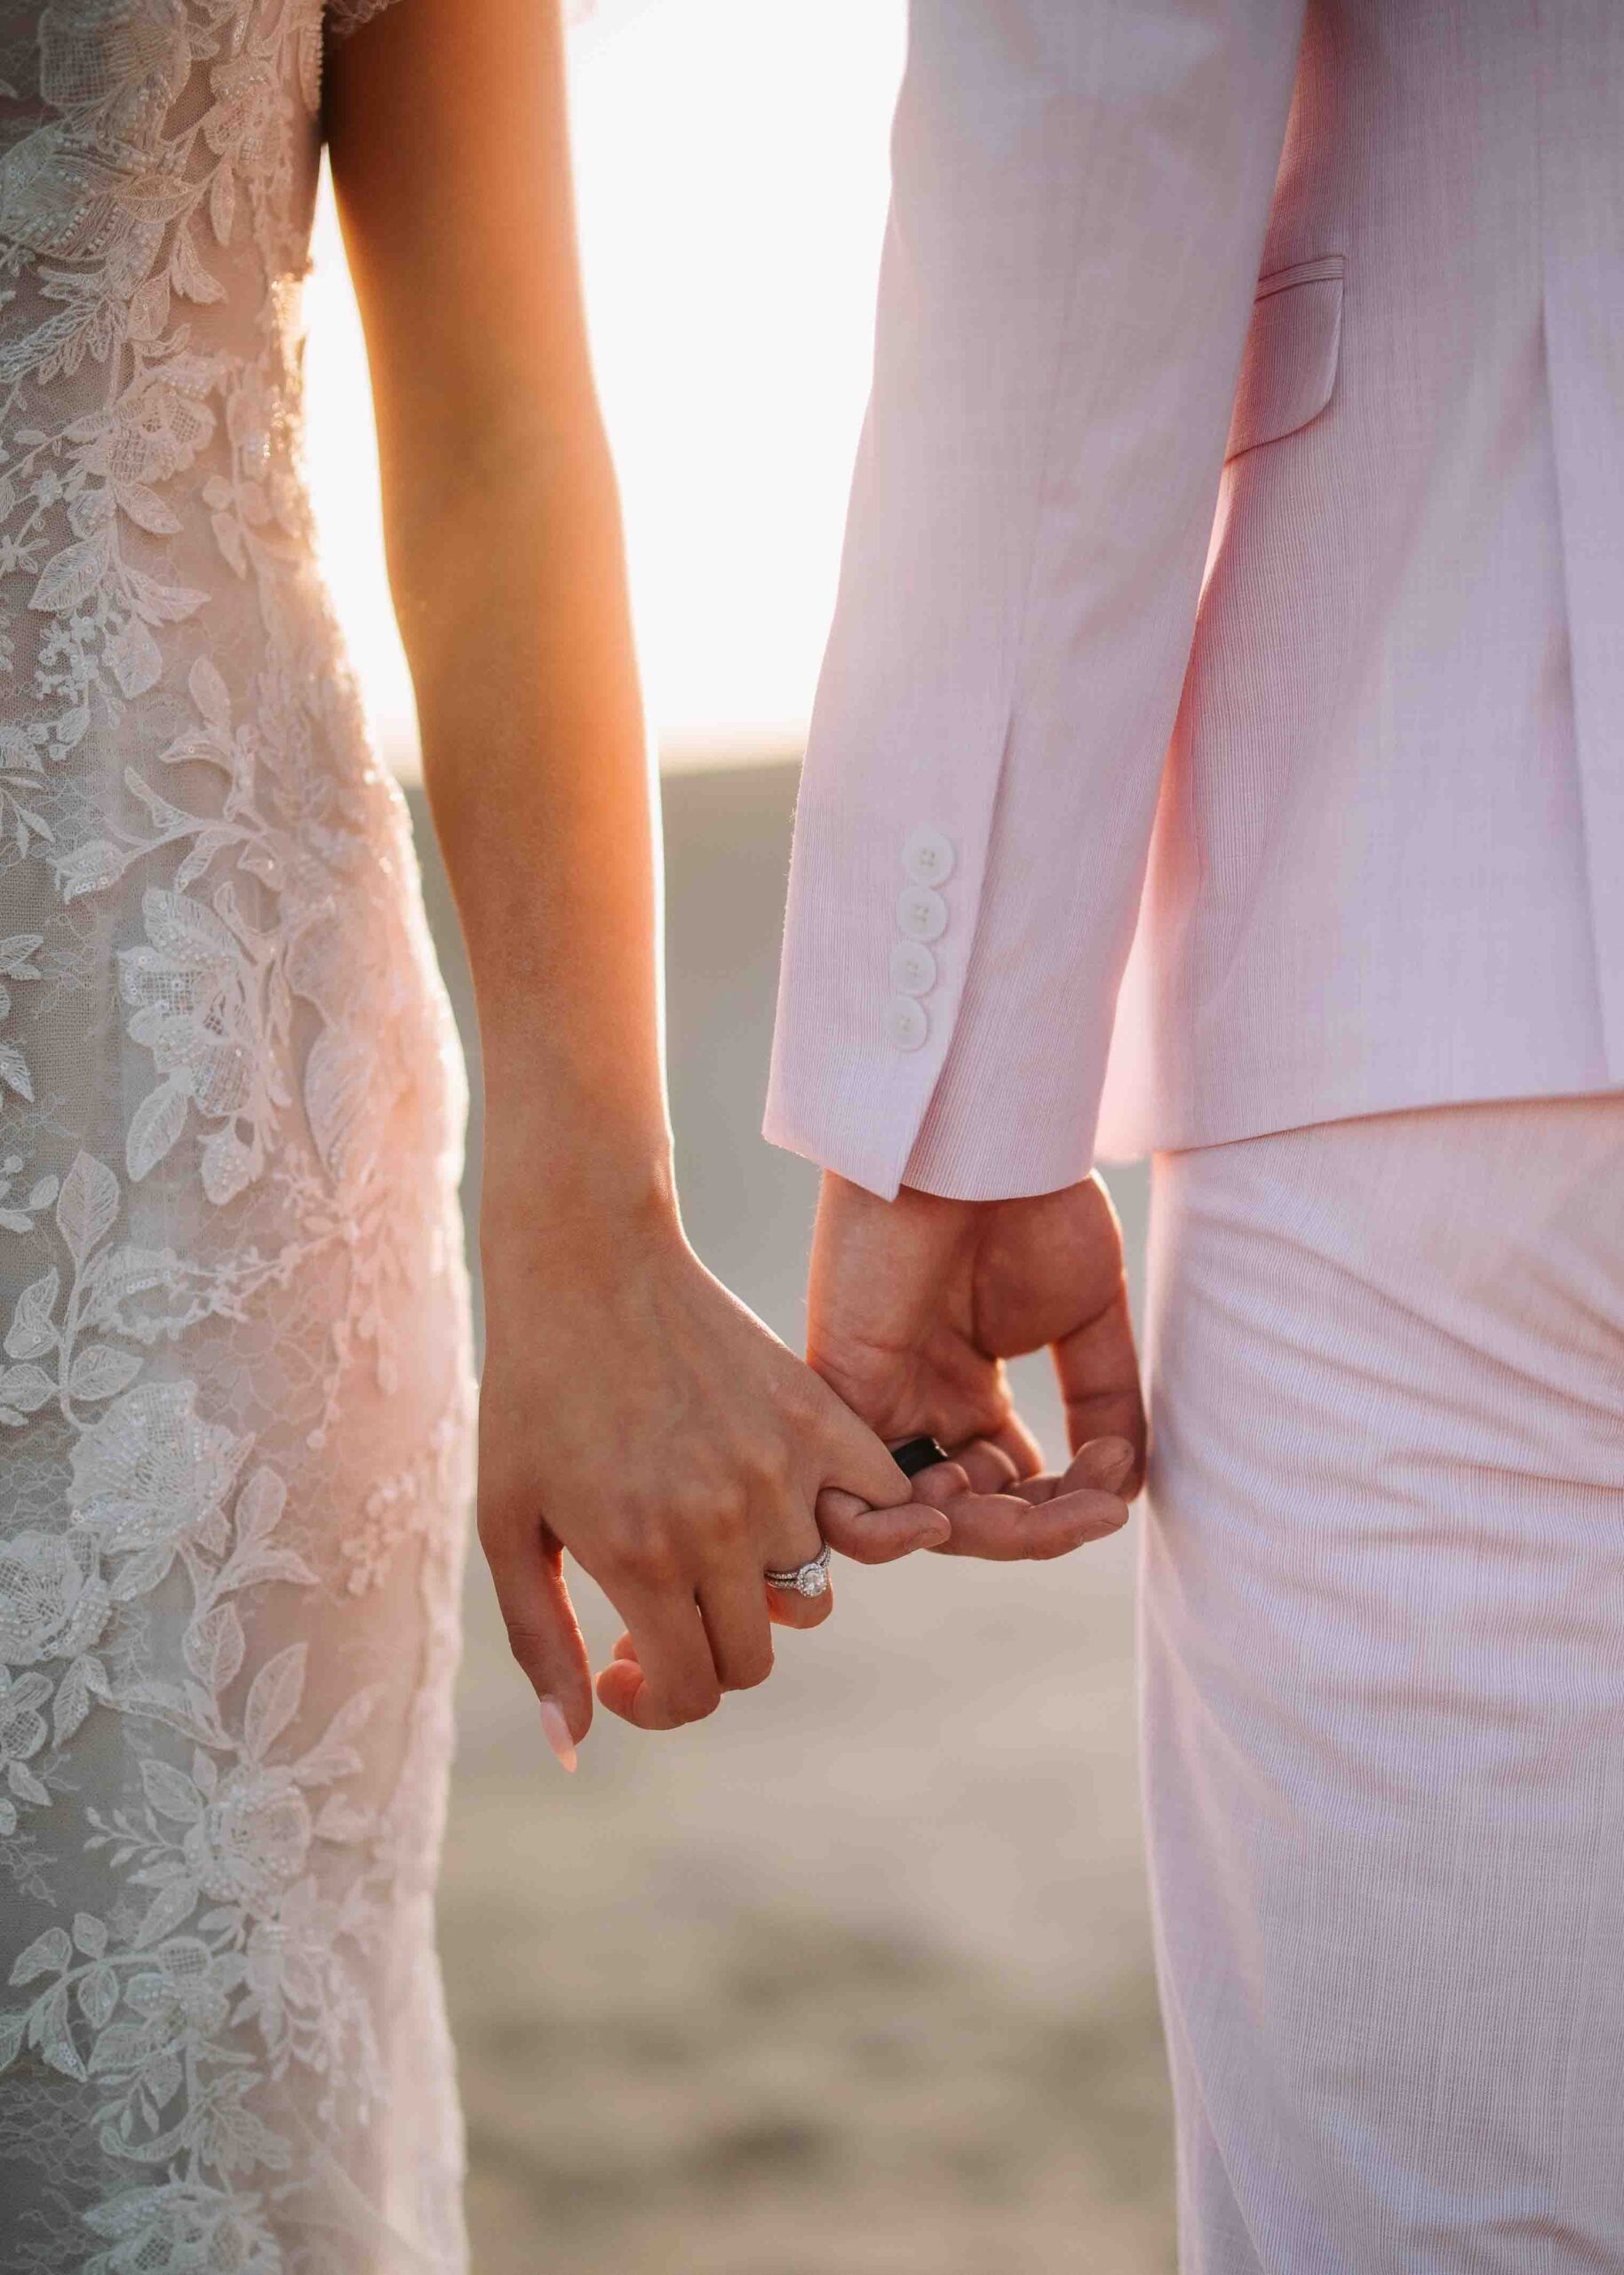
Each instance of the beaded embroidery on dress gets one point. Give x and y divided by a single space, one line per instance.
235 1394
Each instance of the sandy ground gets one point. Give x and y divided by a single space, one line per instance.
855 1978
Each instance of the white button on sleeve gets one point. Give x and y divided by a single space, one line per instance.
927 857
913 967
922 914
905 1024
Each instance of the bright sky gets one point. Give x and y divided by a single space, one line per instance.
731 167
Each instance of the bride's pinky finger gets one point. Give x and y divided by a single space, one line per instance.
620 1685
623 1690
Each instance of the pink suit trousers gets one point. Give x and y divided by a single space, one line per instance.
1383 1691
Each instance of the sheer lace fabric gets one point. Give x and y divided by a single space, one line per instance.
343 15
236 1394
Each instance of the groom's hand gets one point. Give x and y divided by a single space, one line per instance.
913 1305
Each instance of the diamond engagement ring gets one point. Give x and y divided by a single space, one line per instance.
808 1579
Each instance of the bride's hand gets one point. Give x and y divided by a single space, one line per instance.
636 1414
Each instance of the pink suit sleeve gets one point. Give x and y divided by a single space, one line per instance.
1079 199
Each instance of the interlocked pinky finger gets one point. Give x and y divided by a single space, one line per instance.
879 1536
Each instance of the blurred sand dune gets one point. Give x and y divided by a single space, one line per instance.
855 1978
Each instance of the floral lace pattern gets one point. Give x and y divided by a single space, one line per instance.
343 15
235 1394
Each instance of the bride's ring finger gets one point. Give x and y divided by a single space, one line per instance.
797 1583
808 1579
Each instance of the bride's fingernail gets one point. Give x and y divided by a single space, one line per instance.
556 1732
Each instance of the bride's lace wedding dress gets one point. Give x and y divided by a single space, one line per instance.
236 1394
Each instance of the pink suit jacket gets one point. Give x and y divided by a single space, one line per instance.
1241 496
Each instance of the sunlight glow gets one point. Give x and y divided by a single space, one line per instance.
731 162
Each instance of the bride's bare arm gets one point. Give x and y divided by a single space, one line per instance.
631 1410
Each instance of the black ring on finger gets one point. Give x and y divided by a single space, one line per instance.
915 1454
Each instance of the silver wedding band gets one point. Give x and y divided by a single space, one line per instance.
808 1579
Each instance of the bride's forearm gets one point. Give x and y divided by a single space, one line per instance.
506 564
513 606
630 1411
511 593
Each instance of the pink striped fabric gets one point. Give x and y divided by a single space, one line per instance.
1383 1666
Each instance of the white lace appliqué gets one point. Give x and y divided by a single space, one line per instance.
235 1391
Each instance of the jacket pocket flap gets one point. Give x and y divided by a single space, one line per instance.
1288 368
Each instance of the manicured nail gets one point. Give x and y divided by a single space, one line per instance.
556 1732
